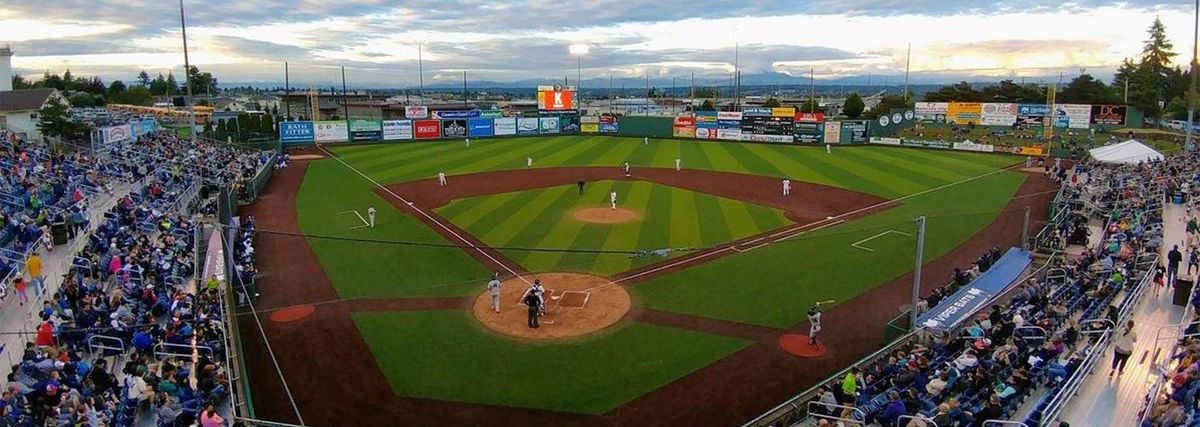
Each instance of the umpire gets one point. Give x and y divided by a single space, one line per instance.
533 303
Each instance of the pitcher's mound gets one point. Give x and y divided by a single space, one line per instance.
606 215
576 304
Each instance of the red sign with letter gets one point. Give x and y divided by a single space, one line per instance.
425 129
809 117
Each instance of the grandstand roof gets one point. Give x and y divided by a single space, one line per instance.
25 99
1128 152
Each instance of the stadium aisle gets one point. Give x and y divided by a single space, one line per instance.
57 263
1118 400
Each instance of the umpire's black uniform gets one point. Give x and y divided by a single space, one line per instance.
532 301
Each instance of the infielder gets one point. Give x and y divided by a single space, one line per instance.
814 319
529 162
787 186
626 168
612 198
493 287
676 164
468 142
371 215
441 179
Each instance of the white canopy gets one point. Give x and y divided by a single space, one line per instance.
1127 152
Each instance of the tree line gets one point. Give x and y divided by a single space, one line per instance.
84 91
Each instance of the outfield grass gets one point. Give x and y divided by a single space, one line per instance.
445 355
771 286
542 218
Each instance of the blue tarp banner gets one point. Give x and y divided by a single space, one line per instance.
953 310
480 127
296 132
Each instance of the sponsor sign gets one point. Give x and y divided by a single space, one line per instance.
971 146
527 126
480 127
148 126
729 116
569 124
771 138
854 131
609 124
833 132
999 114
1074 116
296 132
810 132
684 127
756 111
366 130
706 133
706 124
491 114
416 112
809 118
964 113
783 112
556 99
117 133
589 119
734 134
1032 114
931 111
926 144
548 125
767 128
1109 115
885 141
426 129
454 128
589 127
1035 151
331 130
397 129
504 126
456 114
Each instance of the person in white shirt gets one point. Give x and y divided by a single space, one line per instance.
468 142
787 186
442 179
1123 348
612 198
371 215
539 292
966 361
646 140
529 162
626 168
493 287
814 320
677 164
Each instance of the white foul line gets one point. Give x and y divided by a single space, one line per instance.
859 243
431 218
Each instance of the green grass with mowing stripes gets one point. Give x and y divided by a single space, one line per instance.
445 355
542 218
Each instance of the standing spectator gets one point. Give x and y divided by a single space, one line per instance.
1123 348
33 265
1174 257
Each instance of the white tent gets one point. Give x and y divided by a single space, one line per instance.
1128 152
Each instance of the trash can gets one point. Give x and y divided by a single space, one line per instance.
1183 290
58 233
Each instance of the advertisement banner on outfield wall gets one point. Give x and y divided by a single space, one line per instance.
706 125
997 114
833 132
454 128
854 131
117 133
548 125
964 113
729 116
527 126
569 124
971 146
416 112
394 130
366 130
926 144
768 128
491 114
783 112
1108 115
1074 116
504 126
684 127
480 127
809 118
456 114
932 111
729 125
885 141
295 132
331 130
1035 151
426 129
756 112
1032 114
729 134
609 124
810 132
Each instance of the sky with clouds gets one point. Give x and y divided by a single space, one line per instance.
377 40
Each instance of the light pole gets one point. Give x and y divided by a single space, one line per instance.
1189 145
578 50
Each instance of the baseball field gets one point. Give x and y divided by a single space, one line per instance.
663 308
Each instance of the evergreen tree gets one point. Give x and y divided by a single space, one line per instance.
854 106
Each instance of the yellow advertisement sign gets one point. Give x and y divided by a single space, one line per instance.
783 112
589 127
1030 151
965 113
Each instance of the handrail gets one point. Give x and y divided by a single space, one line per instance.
862 415
1072 383
928 421
164 349
1004 422
104 342
1034 328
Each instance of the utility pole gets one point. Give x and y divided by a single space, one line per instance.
1189 143
916 293
421 73
692 93
647 94
812 89
907 66
673 93
287 83
737 75
464 89
187 76
345 103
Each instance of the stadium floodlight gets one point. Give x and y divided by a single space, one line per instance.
579 50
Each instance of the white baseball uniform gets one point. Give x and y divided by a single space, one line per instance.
787 187
468 142
371 215
612 197
676 164
626 168
494 287
529 162
442 179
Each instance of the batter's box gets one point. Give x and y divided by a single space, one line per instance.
573 299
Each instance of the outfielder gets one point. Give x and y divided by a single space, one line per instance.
676 164
371 215
787 186
529 162
441 179
468 142
626 168
646 140
612 198
493 287
828 149
814 319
